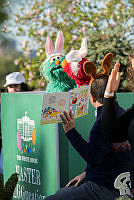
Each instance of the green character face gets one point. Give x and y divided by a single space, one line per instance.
52 68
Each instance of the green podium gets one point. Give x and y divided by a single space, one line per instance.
40 154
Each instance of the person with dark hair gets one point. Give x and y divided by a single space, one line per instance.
118 129
15 82
105 160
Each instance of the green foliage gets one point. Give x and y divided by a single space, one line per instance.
6 192
3 18
6 58
3 13
108 25
7 65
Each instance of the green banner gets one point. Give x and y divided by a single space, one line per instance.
29 149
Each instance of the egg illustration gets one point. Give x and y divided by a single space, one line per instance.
19 141
34 137
74 100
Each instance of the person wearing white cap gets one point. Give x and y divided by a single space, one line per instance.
15 82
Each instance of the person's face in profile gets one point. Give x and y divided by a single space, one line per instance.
14 88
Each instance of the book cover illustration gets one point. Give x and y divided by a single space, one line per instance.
79 101
53 105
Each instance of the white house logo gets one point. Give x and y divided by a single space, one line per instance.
26 135
28 165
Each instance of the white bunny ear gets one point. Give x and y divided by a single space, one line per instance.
59 42
84 49
49 46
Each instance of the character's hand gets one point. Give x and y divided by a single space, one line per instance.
77 180
114 79
68 121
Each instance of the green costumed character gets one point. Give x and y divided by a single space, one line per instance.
51 68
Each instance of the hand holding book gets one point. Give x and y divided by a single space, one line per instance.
68 121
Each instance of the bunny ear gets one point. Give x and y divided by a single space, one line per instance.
90 70
106 63
59 42
83 50
49 46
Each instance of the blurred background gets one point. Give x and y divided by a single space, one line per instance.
25 24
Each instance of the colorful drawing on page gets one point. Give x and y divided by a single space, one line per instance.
53 105
79 101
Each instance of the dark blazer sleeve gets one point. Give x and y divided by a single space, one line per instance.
91 152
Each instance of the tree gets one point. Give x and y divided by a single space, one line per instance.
3 16
108 26
130 72
7 63
7 54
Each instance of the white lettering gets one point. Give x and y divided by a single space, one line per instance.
28 175
18 157
33 160
26 159
23 194
37 177
25 174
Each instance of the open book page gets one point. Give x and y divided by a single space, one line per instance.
79 101
53 105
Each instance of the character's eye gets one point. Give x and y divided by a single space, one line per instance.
58 57
52 59
55 58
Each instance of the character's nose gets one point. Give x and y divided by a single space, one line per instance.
57 62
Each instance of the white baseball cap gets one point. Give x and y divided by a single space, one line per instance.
14 78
